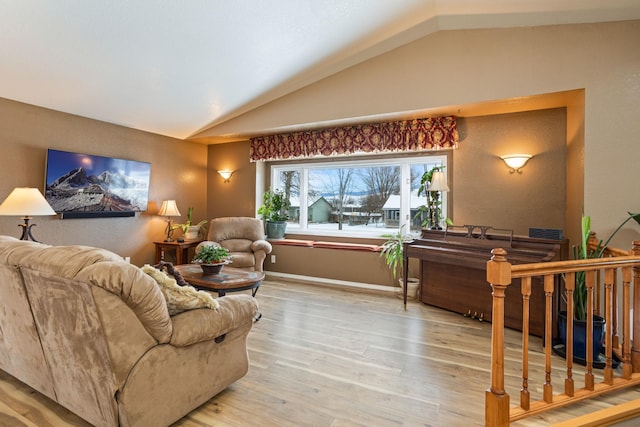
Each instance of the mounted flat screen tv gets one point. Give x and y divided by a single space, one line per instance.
87 186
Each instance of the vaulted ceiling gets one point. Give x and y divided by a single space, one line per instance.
178 68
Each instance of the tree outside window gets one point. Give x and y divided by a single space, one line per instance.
361 198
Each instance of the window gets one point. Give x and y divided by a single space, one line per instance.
364 198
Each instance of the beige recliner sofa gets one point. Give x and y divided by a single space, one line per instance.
244 238
94 334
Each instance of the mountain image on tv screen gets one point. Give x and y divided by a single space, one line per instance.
78 182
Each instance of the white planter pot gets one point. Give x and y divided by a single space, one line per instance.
192 233
412 290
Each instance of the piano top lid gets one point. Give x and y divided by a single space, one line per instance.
492 238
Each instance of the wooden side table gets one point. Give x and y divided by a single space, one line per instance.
181 249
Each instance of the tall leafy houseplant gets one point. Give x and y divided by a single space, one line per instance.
580 298
393 253
583 252
275 213
392 250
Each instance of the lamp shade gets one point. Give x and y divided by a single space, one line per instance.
24 201
516 161
169 208
438 182
226 175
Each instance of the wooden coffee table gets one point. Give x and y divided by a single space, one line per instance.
228 280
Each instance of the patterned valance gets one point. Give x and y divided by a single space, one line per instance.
407 135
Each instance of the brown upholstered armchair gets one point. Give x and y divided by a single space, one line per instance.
244 238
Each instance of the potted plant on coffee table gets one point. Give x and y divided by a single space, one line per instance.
211 258
275 213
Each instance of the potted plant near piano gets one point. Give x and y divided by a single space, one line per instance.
393 254
211 258
275 213
579 297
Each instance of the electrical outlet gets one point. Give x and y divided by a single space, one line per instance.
273 259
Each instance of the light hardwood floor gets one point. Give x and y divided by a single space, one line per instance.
327 356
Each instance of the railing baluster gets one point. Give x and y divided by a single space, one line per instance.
589 381
549 284
570 284
627 368
525 398
635 350
608 313
615 343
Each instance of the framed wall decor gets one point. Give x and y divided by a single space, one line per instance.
81 185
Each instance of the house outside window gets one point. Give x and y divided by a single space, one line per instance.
360 198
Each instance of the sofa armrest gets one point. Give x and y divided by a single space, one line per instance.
258 245
193 326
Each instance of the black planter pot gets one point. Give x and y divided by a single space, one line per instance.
579 336
209 269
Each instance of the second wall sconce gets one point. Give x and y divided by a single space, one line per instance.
515 162
226 175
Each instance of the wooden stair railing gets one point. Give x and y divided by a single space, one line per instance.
500 273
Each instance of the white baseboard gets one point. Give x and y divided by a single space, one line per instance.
334 282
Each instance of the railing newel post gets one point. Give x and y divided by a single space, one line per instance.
497 406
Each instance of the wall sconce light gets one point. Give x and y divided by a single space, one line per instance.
226 175
515 162
169 209
26 202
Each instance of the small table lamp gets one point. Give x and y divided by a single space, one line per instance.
26 202
169 209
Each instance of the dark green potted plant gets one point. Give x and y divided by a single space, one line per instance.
275 213
211 258
580 294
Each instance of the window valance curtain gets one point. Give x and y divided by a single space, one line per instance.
433 133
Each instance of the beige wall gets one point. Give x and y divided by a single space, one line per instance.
448 68
483 190
178 171
457 68
236 197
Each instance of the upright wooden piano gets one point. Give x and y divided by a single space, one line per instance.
453 271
